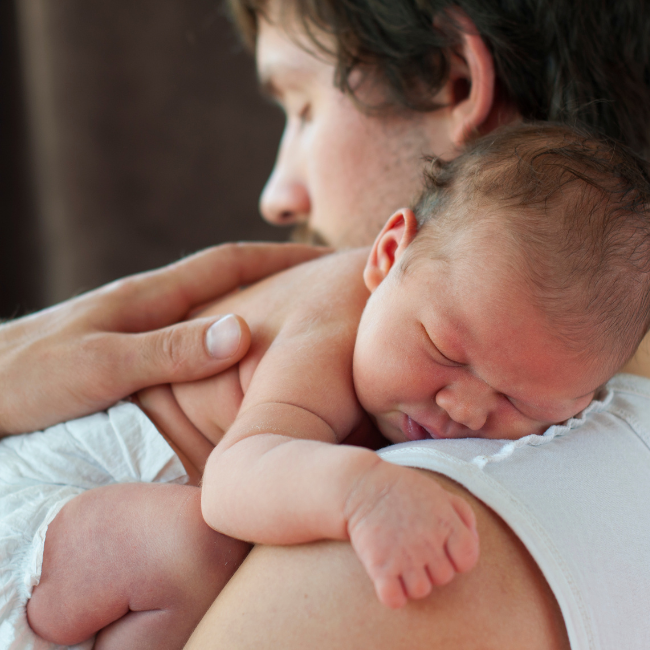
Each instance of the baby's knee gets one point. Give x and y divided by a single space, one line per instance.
128 547
200 557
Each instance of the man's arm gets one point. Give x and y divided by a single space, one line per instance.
84 354
317 597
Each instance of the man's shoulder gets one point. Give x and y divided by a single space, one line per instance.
630 385
629 401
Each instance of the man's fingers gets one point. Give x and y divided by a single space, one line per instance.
84 354
166 295
184 352
254 261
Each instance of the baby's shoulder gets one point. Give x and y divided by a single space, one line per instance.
328 287
329 291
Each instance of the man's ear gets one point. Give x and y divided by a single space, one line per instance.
400 230
472 83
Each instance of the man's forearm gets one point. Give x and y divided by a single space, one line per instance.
318 596
83 355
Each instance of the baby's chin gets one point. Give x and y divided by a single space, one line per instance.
389 428
389 431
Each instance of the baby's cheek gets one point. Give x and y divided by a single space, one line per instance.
375 392
363 375
507 423
366 393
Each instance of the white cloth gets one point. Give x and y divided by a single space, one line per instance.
40 472
578 498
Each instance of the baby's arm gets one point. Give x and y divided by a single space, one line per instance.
278 476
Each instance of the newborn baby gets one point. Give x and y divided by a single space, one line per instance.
495 308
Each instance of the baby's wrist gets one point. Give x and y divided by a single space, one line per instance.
369 490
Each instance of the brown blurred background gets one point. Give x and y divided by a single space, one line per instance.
132 132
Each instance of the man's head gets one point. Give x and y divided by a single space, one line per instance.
524 286
449 70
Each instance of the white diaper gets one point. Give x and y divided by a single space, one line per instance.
40 472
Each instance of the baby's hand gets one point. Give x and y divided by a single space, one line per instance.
410 534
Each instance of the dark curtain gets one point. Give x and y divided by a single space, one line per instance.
132 133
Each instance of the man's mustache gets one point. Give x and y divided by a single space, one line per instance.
303 234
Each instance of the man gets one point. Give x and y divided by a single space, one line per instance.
425 79
557 61
343 165
316 596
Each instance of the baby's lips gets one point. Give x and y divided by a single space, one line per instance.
414 430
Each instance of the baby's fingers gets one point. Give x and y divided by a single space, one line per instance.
462 545
414 584
441 569
417 583
464 511
390 592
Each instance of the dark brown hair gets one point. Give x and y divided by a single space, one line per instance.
574 208
574 61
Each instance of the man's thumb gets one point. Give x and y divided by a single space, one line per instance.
191 350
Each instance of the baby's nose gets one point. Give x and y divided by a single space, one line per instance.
469 408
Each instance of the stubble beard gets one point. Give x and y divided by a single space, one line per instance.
303 234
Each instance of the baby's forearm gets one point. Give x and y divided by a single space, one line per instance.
274 489
264 486
190 445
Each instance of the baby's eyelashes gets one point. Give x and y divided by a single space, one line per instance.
437 354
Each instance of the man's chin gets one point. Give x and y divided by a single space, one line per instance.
303 234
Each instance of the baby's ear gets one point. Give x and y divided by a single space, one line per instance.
400 230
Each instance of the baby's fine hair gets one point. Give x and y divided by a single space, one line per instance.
575 210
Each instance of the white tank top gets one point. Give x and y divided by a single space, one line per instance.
578 497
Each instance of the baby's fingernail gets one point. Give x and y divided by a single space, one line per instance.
223 337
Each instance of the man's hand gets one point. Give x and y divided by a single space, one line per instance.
410 533
84 354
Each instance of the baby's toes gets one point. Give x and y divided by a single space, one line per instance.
417 583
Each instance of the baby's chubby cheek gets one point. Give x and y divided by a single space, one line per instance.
372 382
379 403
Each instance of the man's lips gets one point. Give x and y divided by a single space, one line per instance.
415 431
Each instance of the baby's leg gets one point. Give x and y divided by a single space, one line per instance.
134 563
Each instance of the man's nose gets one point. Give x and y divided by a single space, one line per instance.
284 202
467 402
285 199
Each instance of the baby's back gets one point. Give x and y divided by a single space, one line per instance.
304 302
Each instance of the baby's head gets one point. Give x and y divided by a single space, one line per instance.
518 285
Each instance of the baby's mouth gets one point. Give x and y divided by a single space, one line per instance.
415 431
